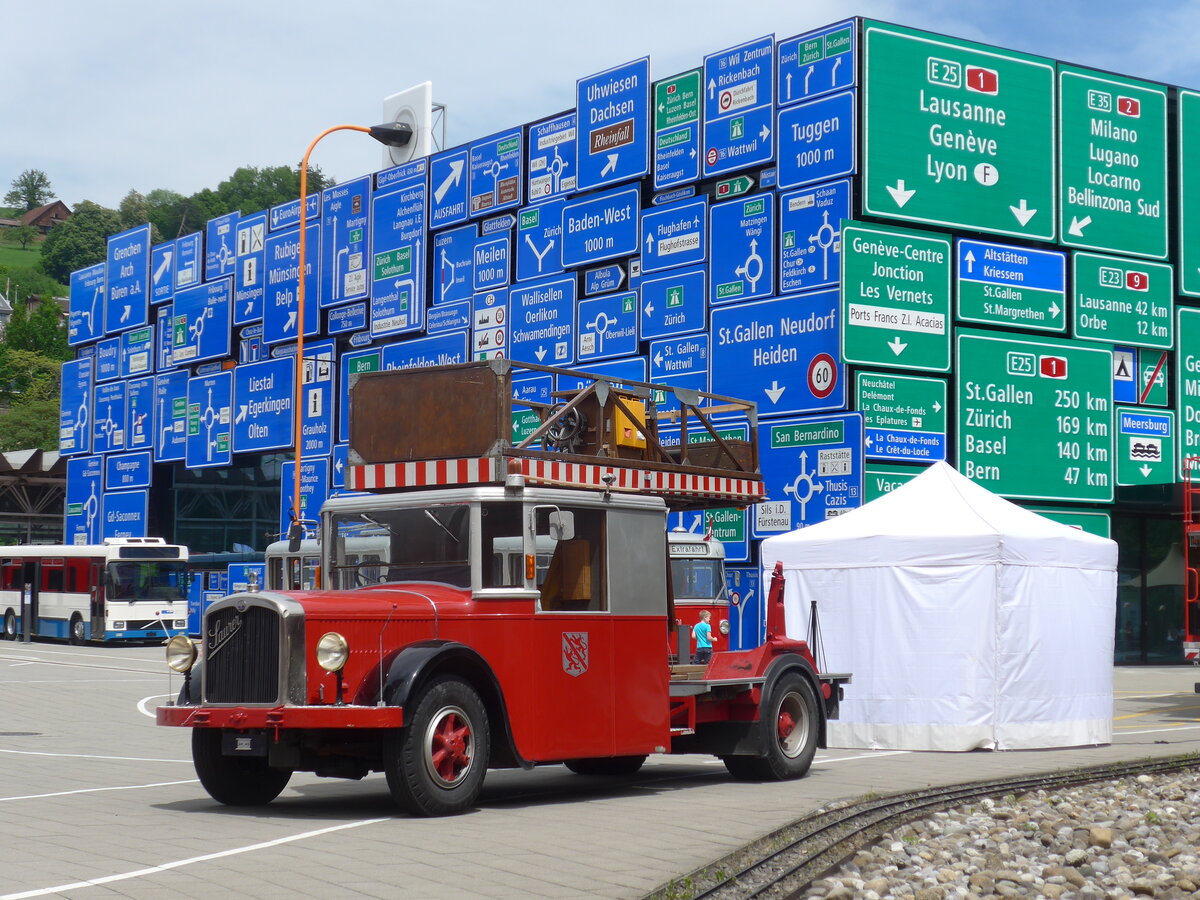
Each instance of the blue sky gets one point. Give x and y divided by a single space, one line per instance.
109 96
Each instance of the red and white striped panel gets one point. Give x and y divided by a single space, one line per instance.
426 473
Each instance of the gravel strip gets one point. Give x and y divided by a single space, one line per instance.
1135 837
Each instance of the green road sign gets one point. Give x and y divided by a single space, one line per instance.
1145 446
727 524
677 100
895 298
958 134
733 187
393 263
1123 301
1187 382
1035 416
1097 523
524 423
1189 193
904 416
1113 163
883 479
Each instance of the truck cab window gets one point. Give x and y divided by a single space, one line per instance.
574 580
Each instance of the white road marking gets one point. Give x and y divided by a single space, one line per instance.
175 864
126 787
93 756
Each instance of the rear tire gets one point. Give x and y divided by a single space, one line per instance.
235 781
605 765
790 721
77 633
435 765
10 625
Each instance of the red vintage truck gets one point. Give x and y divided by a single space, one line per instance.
433 654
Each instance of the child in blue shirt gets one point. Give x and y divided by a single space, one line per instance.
703 633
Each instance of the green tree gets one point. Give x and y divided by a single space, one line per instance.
30 190
42 332
165 212
250 189
25 283
22 234
30 425
26 377
80 241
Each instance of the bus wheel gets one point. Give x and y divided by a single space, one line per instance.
605 765
10 625
790 721
435 765
76 629
235 781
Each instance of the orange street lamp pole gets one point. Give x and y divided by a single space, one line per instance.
391 136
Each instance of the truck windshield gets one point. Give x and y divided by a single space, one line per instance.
698 579
161 581
430 543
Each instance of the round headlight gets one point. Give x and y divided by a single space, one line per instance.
332 652
724 626
181 653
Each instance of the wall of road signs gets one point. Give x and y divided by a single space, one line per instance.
904 247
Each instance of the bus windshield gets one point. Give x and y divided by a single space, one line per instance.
157 580
698 579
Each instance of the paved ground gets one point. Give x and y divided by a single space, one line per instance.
98 802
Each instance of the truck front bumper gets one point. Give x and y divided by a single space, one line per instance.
305 717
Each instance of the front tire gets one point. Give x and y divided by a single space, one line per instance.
435 765
235 781
77 634
605 765
790 722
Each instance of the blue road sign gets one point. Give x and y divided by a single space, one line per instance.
810 236
87 305
539 240
108 359
492 266
495 181
337 469
124 471
202 326
608 326
345 319
618 371
449 317
453 264
781 353
747 621
542 316
680 362
75 407
137 352
170 416
673 303
246 576
448 182
552 158
603 280
529 388
354 362
250 280
818 62
1019 284
601 227
614 125
264 417
316 420
209 420
739 103
250 344
125 514
127 278
110 411
281 308
386 179
139 424
287 215
85 493
400 212
164 334
742 239
220 247
314 490
489 325
162 272
189 262
817 140
674 235
345 241
812 468
439 350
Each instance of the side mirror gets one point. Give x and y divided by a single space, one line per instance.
295 535
562 525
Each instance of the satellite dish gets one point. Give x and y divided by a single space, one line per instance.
414 108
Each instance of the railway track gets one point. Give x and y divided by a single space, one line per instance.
784 863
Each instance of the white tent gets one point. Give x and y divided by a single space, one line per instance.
966 621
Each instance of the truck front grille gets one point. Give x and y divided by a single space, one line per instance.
241 653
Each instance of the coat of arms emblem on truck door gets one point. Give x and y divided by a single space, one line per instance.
575 652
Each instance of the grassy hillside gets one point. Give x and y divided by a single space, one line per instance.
12 255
